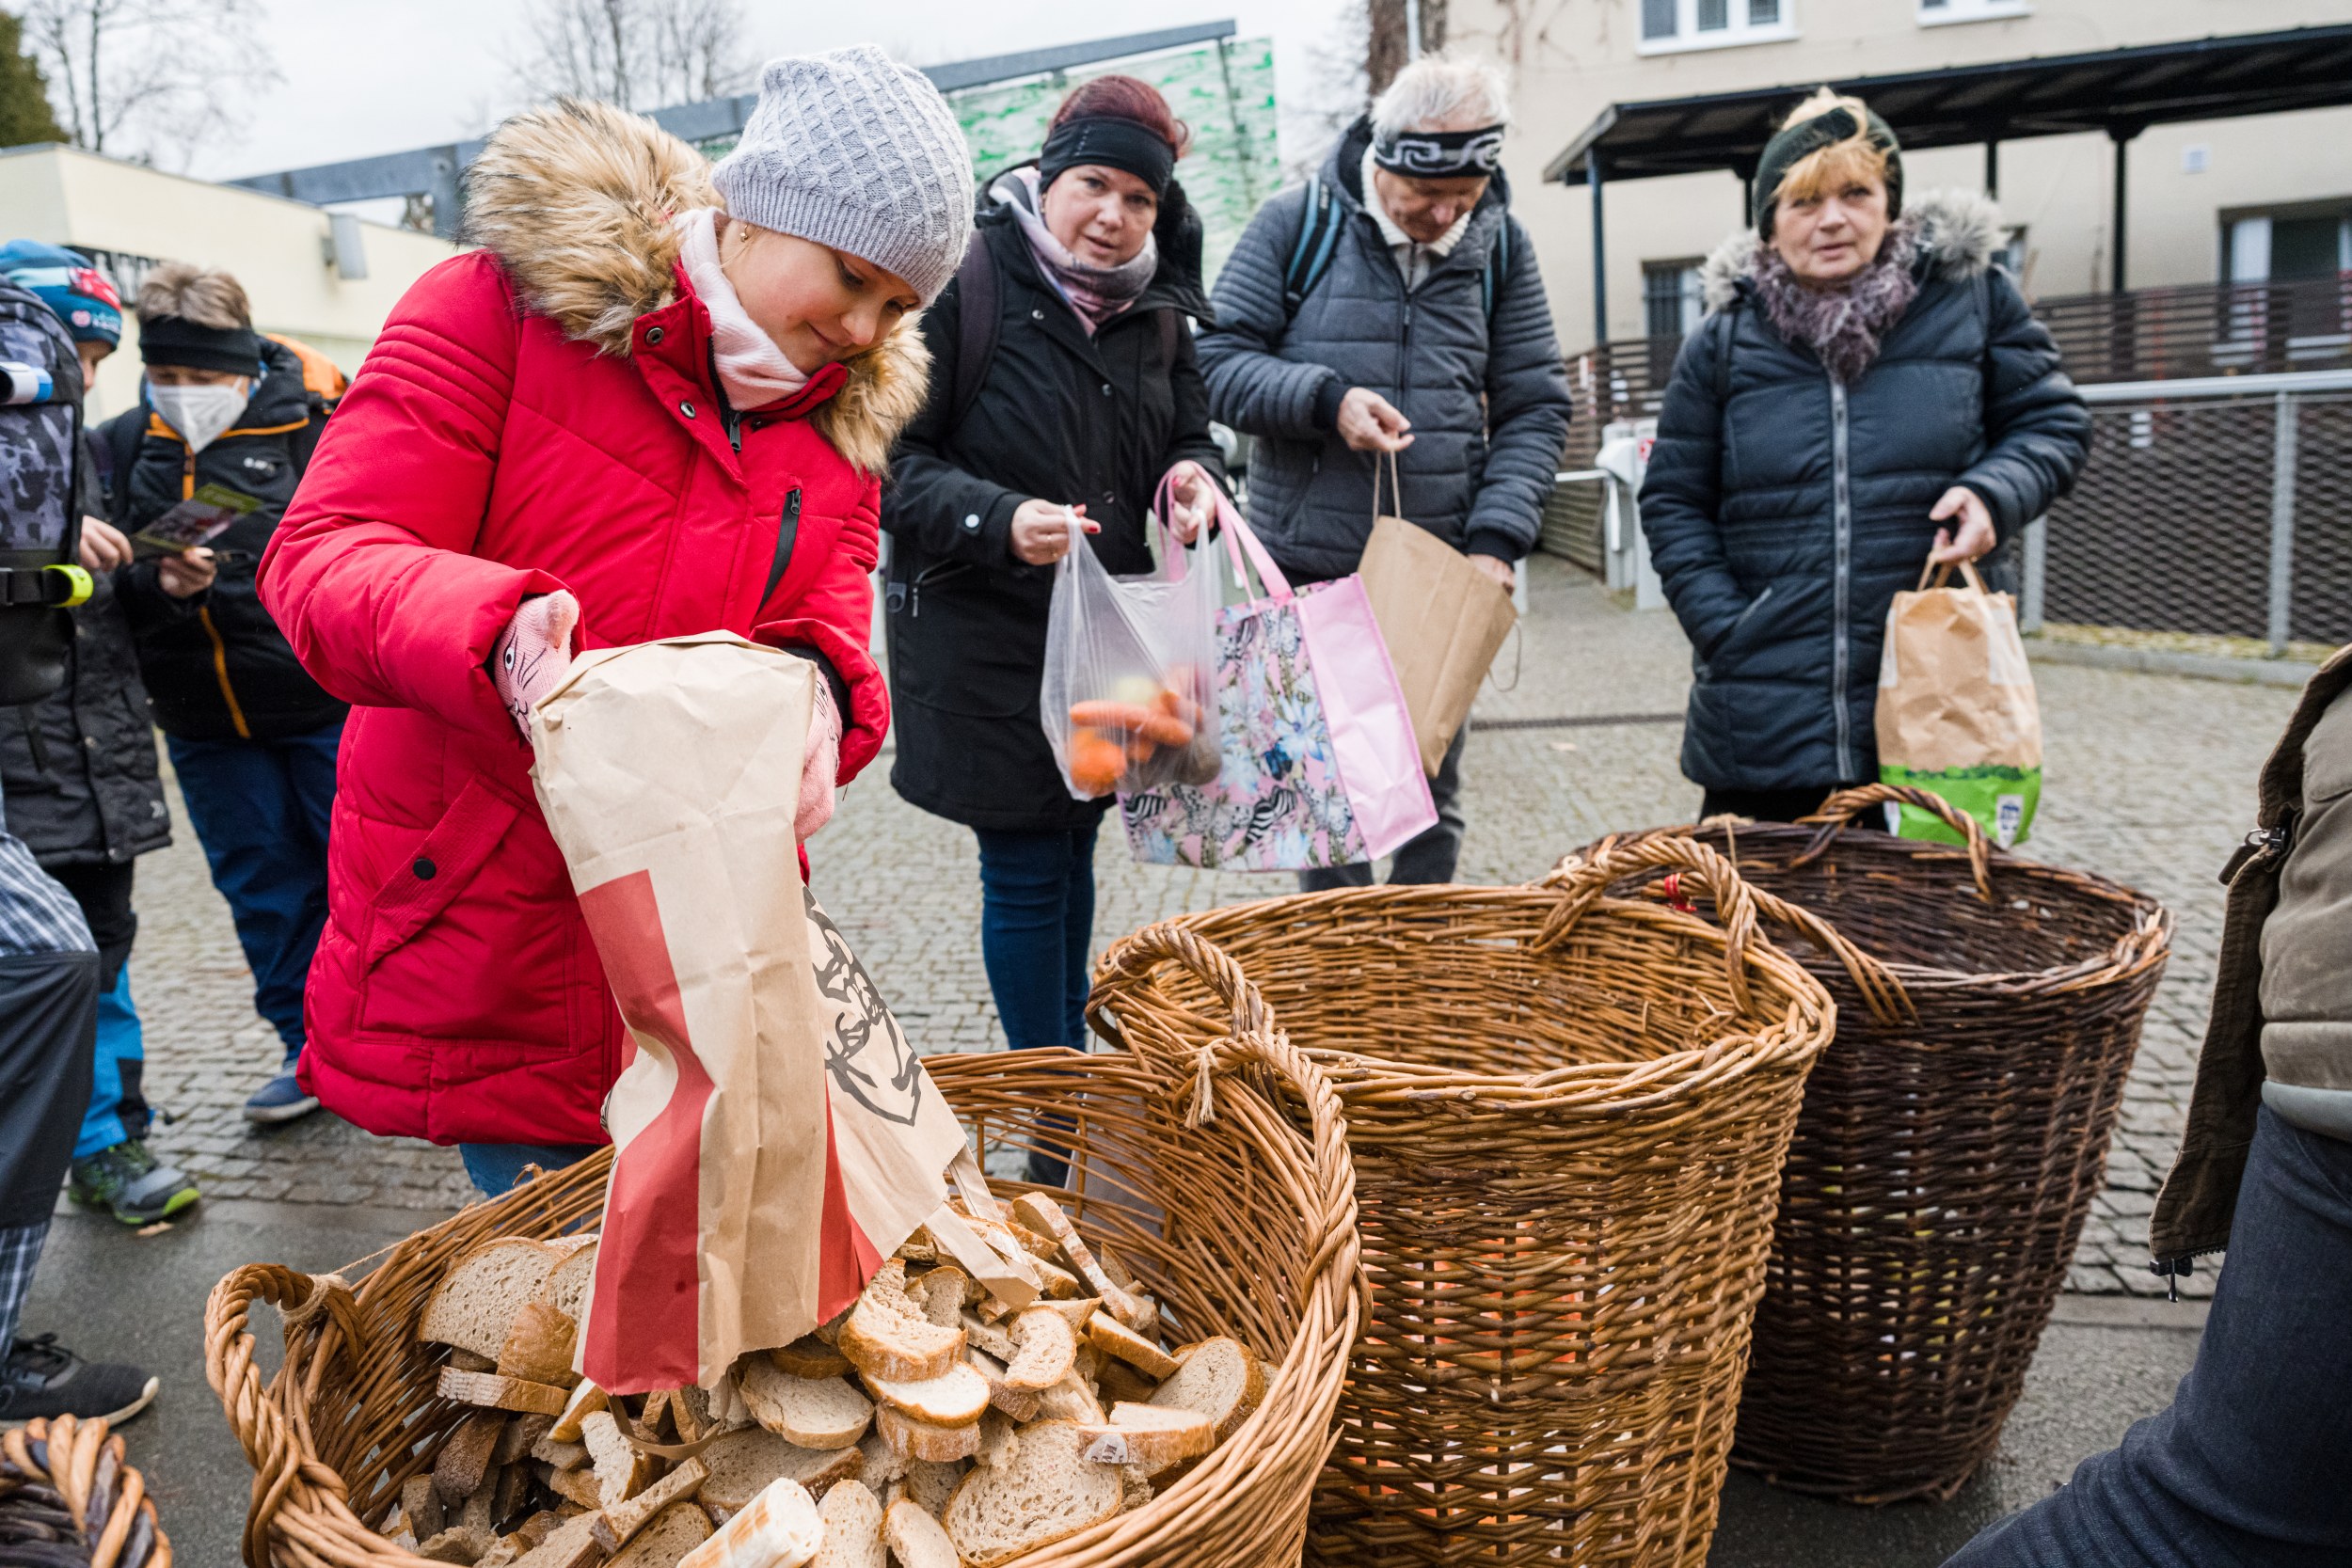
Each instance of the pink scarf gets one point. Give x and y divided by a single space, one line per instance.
752 370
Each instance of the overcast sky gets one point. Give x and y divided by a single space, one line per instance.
369 76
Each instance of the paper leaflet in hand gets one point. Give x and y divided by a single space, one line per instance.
192 522
776 1137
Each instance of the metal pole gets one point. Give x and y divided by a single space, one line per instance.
1600 250
2123 183
2283 525
1993 169
1412 29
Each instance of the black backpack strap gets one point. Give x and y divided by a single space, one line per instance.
123 434
1310 253
1730 330
976 327
1495 273
1171 333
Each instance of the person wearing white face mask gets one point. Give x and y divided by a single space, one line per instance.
253 739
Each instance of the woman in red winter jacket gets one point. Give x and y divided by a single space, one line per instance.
656 402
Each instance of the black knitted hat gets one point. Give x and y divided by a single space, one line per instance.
1795 142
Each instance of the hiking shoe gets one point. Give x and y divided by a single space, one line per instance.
43 1379
125 1180
283 1098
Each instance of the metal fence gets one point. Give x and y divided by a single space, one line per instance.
2220 505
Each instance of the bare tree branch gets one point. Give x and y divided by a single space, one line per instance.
636 53
152 80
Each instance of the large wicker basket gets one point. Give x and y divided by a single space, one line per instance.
1225 1185
1568 1115
1952 1138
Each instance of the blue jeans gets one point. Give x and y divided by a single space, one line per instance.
2247 1468
116 1110
497 1167
1037 922
261 810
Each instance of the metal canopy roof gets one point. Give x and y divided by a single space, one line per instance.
2120 91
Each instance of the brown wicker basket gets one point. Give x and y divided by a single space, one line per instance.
68 1492
1568 1115
1952 1138
1237 1211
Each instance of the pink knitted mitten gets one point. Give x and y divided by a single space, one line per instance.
529 657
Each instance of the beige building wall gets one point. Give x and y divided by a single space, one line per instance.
1571 58
276 248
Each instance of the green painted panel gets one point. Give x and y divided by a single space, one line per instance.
1223 91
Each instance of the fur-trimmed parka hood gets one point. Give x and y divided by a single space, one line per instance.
1956 233
575 199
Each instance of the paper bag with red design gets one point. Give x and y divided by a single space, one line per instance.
776 1137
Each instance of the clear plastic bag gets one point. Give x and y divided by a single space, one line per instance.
1129 699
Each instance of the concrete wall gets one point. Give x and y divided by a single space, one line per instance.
1571 58
274 247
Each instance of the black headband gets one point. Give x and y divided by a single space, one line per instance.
177 341
1440 154
1120 144
1793 144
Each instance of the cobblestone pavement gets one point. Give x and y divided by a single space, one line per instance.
2150 780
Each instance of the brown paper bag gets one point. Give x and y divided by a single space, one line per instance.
775 1135
1444 621
1957 712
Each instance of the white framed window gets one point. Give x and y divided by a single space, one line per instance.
1940 13
1669 26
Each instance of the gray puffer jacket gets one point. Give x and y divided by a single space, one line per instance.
1489 415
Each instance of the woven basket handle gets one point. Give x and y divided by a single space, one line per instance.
1847 804
280 1470
1254 1040
1584 880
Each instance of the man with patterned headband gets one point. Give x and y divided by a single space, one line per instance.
1390 310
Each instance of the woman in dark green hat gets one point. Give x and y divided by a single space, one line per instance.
1868 391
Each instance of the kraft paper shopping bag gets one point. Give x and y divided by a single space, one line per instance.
1956 710
1443 620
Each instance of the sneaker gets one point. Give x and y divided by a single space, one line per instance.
43 1379
283 1098
126 1181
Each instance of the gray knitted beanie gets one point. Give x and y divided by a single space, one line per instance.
856 151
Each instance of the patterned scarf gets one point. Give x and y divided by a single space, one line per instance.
1096 293
1842 324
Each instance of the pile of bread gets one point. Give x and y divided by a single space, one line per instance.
931 1424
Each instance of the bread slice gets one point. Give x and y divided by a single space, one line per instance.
741 1465
888 1335
521 1436
577 1487
571 1544
1020 1405
999 1439
929 1484
878 1463
567 1286
475 1303
942 1292
539 1346
953 1401
583 1402
1070 1399
621 1470
1220 1379
782 1529
810 1357
458 1469
466 1544
911 1439
995 1339
915 1537
563 1456
1115 1380
1044 1350
1135 1488
1114 1338
1048 1491
1153 1437
619 1524
815 1413
854 1528
496 1392
673 1537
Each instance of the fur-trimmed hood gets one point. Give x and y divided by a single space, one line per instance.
575 199
1956 233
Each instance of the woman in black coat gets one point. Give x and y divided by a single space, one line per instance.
1063 385
1869 394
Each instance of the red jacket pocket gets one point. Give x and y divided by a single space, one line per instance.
440 868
